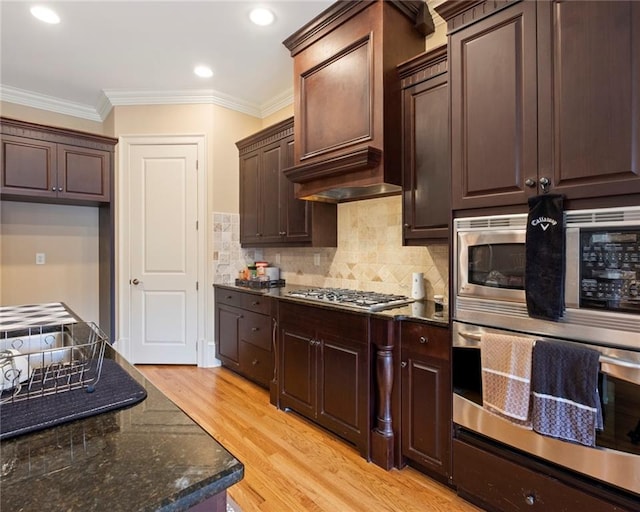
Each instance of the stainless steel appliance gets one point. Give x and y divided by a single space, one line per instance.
602 275
602 303
616 458
363 300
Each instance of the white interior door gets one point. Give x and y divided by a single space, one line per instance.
163 253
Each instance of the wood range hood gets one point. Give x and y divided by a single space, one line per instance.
347 98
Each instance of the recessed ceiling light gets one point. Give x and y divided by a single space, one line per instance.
261 16
203 71
45 14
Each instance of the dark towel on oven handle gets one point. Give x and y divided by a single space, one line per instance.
545 243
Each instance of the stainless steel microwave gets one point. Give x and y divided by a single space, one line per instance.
602 275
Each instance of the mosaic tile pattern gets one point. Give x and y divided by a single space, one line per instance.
369 256
228 257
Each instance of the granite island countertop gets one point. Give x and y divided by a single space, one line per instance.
148 457
419 311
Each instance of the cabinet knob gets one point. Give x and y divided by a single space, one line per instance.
53 189
282 233
407 226
403 364
254 362
530 183
255 329
530 499
258 234
59 189
255 303
424 339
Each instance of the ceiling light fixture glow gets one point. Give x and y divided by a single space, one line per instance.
261 16
203 71
45 14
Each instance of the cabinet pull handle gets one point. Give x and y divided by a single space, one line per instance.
544 184
424 339
530 499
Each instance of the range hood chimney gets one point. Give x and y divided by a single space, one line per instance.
347 98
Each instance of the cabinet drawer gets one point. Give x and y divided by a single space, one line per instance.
256 329
229 297
425 339
499 484
255 363
256 303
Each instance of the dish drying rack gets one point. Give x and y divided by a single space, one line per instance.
46 360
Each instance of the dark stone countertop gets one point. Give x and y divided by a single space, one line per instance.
419 311
148 457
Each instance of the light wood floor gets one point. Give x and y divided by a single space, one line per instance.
290 464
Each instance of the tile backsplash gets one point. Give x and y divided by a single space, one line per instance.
369 256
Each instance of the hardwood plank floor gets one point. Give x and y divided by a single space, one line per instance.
291 464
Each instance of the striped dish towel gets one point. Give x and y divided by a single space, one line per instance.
506 376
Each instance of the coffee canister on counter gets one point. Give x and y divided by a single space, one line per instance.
272 273
417 285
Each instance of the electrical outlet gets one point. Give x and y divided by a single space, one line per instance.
40 258
316 259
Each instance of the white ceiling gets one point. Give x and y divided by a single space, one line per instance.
106 53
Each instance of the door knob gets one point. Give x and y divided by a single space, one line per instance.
135 282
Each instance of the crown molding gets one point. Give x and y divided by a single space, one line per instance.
44 102
112 97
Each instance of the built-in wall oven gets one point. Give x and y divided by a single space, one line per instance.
602 311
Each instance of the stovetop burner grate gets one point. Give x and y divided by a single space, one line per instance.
371 301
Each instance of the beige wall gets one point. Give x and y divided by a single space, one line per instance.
278 116
67 235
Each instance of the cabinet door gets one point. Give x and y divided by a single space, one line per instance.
493 109
589 104
270 201
342 386
426 397
83 173
249 197
297 378
28 167
295 213
228 321
427 205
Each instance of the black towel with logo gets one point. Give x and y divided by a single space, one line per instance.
544 273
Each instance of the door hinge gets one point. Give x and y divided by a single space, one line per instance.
197 286
197 225
197 165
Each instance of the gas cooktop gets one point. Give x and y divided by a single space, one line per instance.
369 301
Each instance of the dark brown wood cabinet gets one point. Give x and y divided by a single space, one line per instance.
426 398
544 97
324 371
270 215
244 333
426 168
47 164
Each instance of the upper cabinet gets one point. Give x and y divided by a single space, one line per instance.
426 165
41 163
270 215
347 101
544 97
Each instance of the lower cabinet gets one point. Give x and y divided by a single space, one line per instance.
324 369
507 482
244 334
426 398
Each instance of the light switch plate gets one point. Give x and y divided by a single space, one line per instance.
40 258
